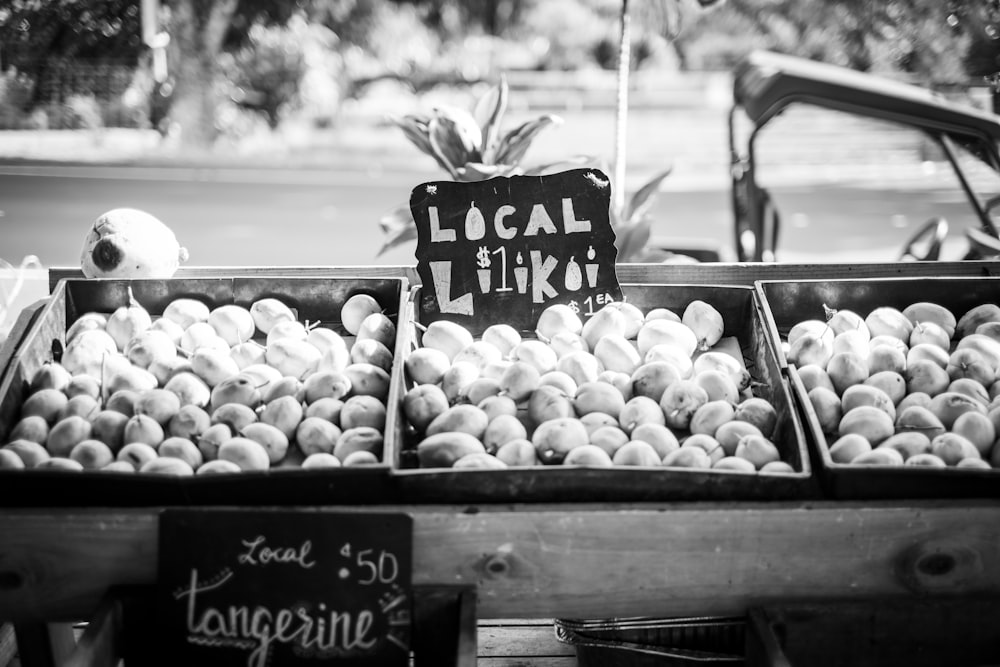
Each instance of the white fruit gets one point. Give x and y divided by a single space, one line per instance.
248 353
293 329
127 322
169 327
129 243
185 312
86 352
479 353
815 327
212 365
149 346
449 337
233 323
617 354
566 343
720 361
202 334
634 318
705 321
356 309
323 338
536 353
502 336
674 356
555 319
269 311
667 332
293 357
86 322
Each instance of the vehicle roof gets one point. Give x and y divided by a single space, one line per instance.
767 82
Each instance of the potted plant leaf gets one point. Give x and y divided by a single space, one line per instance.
469 146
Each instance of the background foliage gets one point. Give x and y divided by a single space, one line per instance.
259 55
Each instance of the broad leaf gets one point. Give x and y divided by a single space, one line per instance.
489 112
541 169
414 127
463 133
398 227
515 143
632 239
643 198
445 148
477 171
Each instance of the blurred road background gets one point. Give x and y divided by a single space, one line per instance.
316 198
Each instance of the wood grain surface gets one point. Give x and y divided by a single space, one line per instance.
574 561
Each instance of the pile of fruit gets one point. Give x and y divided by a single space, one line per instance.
622 388
209 390
914 387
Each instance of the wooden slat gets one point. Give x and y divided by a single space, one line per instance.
389 271
528 661
521 639
100 641
721 273
17 332
746 274
8 644
574 561
44 644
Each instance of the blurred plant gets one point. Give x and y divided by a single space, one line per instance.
78 112
11 281
470 147
16 90
630 218
266 71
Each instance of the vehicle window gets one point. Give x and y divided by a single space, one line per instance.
850 186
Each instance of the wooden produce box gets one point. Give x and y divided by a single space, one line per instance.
954 631
557 483
654 642
312 299
788 302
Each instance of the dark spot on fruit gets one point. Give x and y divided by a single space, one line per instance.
107 255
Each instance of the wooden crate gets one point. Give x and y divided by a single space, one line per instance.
743 319
787 302
314 299
655 642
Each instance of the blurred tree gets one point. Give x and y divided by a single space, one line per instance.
200 30
33 33
921 38
492 17
36 37
982 24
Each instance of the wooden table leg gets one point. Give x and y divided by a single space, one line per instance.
444 626
44 644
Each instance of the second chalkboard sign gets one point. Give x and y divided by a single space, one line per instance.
504 249
257 588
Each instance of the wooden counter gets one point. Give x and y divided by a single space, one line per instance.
573 561
578 560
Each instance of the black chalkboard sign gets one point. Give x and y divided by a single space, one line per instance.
258 588
504 249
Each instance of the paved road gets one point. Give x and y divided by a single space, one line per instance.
237 217
231 217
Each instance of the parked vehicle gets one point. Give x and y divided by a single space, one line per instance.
865 142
